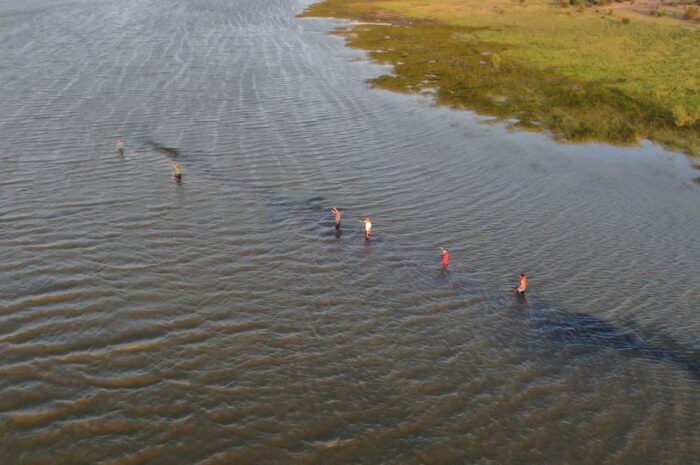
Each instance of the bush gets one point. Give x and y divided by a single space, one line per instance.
625 20
691 12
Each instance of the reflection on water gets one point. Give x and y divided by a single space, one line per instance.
223 319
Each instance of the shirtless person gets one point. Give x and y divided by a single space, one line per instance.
120 146
337 214
523 284
368 228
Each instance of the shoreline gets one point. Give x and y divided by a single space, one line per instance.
452 63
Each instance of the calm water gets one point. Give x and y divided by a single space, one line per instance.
221 321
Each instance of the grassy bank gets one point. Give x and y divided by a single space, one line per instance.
605 73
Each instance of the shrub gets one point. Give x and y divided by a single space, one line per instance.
691 12
625 20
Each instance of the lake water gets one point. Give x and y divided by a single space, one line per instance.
222 321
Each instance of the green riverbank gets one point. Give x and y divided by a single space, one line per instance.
583 73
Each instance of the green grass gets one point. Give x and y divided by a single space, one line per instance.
583 75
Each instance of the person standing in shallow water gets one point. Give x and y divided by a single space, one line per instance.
120 146
445 258
523 284
178 171
337 214
368 228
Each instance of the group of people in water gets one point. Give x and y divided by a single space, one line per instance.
367 221
177 175
522 286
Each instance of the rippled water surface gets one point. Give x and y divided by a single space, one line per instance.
222 321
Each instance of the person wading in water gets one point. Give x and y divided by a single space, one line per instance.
368 228
337 214
523 284
445 258
178 171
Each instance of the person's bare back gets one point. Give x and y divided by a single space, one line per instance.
523 284
338 215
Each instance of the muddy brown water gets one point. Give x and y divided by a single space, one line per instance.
222 321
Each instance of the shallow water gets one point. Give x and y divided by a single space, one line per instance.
222 321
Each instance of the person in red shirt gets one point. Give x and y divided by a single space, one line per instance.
445 258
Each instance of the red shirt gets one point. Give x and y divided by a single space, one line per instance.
445 259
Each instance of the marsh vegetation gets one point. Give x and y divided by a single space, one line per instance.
584 72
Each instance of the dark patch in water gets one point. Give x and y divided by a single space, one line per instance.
315 203
281 207
170 152
588 332
278 201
